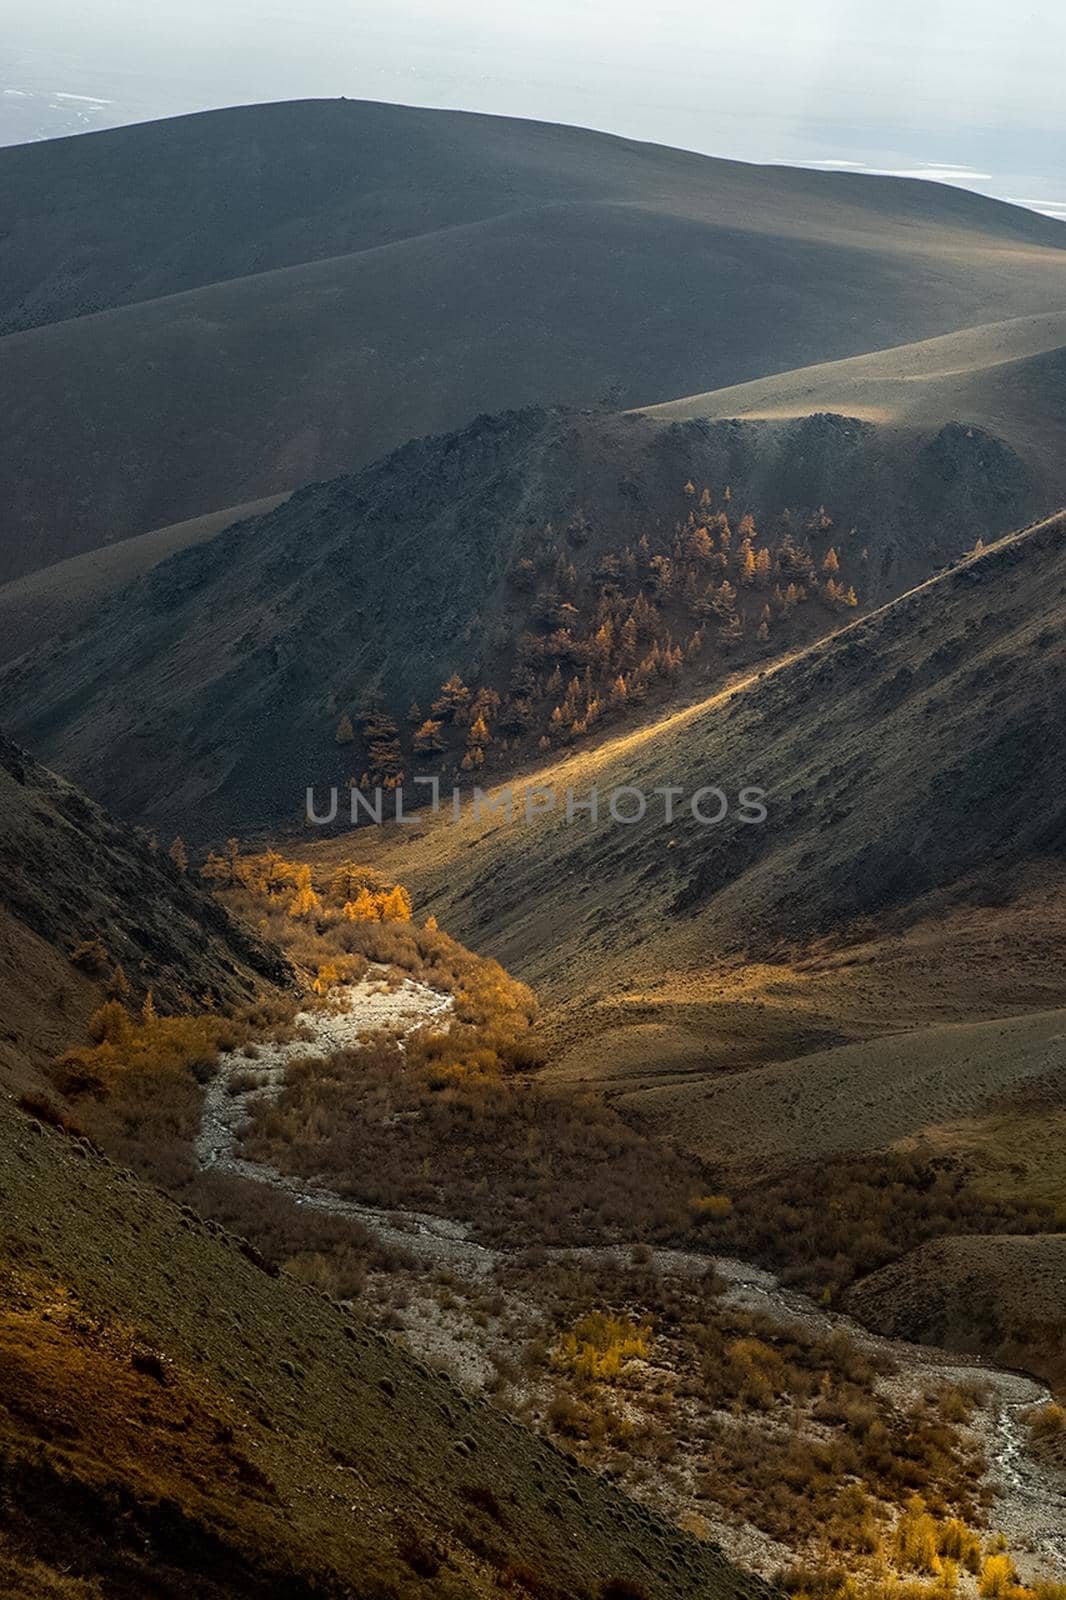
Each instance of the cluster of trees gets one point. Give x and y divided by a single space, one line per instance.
360 893
601 639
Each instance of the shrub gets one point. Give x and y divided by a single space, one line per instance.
599 1345
1048 1422
998 1577
90 956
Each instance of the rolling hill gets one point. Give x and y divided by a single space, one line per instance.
1008 378
362 274
205 696
1011 1289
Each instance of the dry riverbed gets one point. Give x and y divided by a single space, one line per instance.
454 1311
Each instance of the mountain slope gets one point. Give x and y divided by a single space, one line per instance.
279 185
903 757
176 1420
72 880
1007 377
320 312
53 600
238 657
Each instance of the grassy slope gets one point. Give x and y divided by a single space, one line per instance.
320 312
1007 377
55 600
174 1420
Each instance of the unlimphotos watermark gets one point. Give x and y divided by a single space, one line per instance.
624 805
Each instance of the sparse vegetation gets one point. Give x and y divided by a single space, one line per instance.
597 641
824 1225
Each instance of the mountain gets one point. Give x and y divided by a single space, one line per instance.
206 695
852 1009
361 274
82 896
176 1419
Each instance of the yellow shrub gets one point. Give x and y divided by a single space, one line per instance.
122 1045
960 1544
998 1577
599 1345
918 1539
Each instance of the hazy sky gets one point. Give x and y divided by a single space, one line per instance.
969 90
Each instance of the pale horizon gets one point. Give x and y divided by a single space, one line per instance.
948 92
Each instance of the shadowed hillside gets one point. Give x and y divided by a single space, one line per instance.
910 753
999 1296
54 600
174 1419
82 898
362 274
520 554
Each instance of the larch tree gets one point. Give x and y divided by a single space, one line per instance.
347 879
364 907
453 699
429 738
396 906
305 902
478 734
345 733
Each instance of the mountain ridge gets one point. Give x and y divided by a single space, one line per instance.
289 359
240 655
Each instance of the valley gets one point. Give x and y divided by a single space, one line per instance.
549 1188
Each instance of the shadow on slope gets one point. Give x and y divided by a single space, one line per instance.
237 658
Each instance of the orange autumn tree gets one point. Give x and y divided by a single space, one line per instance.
305 902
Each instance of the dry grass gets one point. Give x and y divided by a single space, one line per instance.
737 1416
442 1127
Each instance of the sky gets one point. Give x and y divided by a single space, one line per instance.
966 91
